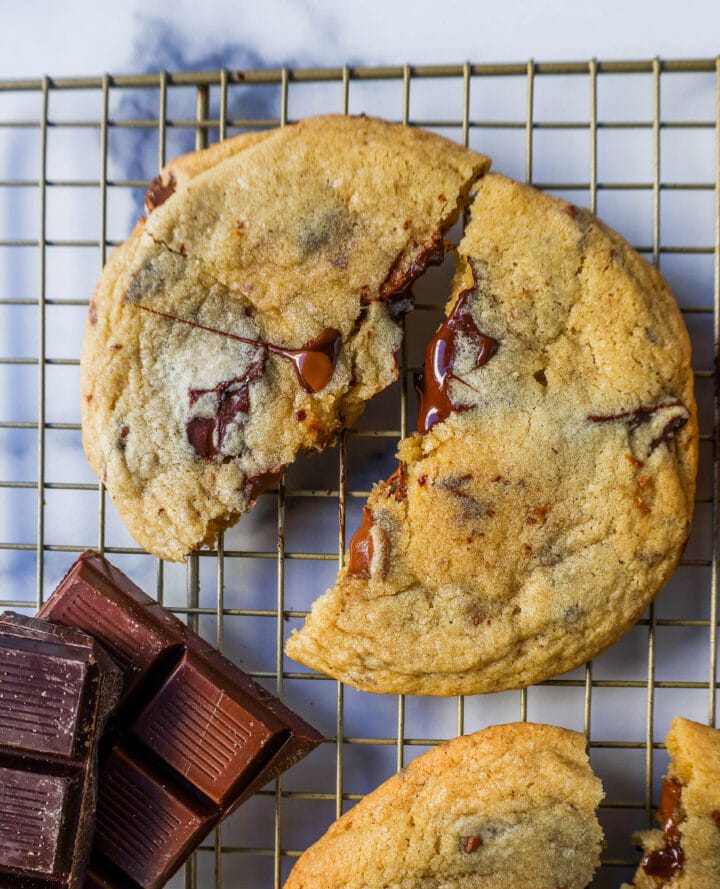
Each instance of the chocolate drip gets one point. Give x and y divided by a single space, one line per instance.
314 361
361 548
232 397
433 385
158 192
666 862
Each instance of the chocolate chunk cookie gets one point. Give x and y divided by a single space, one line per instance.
510 806
686 852
548 493
254 311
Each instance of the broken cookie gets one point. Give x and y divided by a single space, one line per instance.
254 311
686 851
510 806
547 495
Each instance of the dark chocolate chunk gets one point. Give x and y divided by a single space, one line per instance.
146 826
191 738
198 724
57 687
433 384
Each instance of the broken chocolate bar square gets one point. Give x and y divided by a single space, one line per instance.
57 687
191 738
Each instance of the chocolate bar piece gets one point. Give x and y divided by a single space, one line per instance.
191 738
57 687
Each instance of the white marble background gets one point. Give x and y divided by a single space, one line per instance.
78 38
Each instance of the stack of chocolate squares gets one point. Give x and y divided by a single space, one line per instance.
124 737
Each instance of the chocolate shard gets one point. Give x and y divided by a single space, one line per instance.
191 738
57 687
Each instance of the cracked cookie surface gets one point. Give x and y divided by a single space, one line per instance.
548 496
685 854
509 807
254 311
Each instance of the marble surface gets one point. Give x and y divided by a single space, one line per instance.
90 38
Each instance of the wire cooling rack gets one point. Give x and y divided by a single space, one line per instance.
639 142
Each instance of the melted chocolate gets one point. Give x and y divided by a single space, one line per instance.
641 415
433 385
397 483
158 192
636 417
361 548
314 361
232 397
669 813
256 484
666 862
404 271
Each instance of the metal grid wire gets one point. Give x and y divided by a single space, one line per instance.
263 856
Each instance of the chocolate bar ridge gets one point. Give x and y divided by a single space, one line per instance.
192 736
57 688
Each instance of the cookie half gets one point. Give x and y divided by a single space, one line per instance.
254 311
509 807
548 494
686 852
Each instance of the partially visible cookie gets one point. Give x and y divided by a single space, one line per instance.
548 494
685 854
510 807
254 311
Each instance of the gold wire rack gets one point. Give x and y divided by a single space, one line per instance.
258 845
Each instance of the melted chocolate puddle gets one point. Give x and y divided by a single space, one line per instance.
433 384
314 362
666 862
